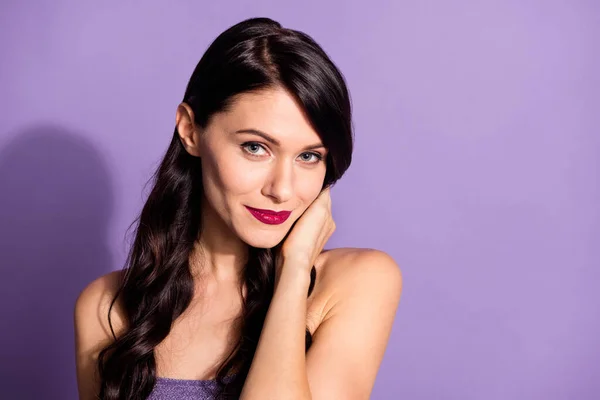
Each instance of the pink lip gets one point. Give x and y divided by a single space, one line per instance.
268 216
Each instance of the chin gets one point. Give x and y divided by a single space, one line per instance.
262 239
264 242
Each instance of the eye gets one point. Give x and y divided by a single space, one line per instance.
311 158
253 148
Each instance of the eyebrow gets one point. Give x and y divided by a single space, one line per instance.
274 141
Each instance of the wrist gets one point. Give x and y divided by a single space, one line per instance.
296 262
292 273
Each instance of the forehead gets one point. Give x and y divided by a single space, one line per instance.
273 111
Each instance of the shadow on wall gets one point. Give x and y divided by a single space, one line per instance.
55 203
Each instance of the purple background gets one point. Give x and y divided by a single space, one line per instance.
476 167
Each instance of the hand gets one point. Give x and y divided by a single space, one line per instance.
308 235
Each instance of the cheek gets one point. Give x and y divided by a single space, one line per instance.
230 176
309 187
239 177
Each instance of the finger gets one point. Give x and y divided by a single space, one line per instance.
325 196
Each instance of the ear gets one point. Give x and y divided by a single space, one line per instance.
186 127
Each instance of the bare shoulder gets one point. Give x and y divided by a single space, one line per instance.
91 312
92 329
359 272
360 290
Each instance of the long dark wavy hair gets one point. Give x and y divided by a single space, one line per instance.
157 285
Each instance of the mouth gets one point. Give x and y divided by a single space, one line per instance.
269 217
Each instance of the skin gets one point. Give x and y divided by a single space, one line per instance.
351 310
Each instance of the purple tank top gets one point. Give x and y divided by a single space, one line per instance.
183 389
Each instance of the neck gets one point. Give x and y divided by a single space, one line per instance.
218 254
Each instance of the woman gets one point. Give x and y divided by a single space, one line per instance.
228 292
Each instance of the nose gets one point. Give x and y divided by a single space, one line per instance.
280 183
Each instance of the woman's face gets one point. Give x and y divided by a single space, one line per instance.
262 154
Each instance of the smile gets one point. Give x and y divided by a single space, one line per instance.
269 217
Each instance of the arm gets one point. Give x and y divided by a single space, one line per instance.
348 346
278 369
92 332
